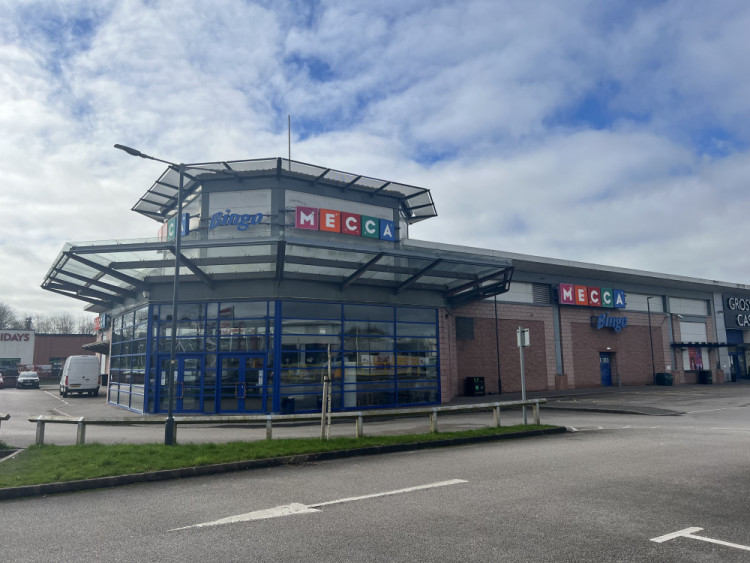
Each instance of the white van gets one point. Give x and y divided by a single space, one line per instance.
80 375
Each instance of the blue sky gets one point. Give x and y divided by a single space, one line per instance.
607 132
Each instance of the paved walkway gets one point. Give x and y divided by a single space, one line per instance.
652 400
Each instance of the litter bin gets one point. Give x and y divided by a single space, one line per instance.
474 387
664 378
287 405
705 377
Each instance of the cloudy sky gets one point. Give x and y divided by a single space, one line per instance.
609 132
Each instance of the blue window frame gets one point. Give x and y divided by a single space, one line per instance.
380 355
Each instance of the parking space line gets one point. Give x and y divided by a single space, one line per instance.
688 533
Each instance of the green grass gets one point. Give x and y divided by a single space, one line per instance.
49 464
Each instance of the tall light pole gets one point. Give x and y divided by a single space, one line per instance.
169 427
651 340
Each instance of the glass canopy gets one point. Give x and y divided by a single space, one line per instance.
106 273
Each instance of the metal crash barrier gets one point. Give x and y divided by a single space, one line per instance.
268 419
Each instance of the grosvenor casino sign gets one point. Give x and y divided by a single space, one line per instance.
736 312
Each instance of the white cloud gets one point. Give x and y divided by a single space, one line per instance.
606 132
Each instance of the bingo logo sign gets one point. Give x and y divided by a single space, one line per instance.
584 296
332 221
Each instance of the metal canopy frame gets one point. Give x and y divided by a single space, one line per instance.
107 273
160 201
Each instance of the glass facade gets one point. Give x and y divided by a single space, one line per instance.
271 356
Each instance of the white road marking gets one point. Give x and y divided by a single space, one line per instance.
56 397
297 508
688 533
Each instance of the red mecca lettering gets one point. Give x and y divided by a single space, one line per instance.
332 221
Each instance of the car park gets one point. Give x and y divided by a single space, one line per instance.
27 380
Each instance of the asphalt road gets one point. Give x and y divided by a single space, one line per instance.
601 492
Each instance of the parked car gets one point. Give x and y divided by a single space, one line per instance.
27 379
2 381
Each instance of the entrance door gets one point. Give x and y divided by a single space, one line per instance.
605 368
241 383
737 365
187 389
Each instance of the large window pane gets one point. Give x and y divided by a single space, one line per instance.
416 329
368 313
408 314
368 328
243 309
304 310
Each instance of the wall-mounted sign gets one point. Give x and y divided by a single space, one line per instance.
333 221
584 296
736 312
15 336
606 321
241 222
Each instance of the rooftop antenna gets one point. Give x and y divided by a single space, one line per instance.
289 139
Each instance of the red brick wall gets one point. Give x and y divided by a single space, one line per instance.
630 348
478 357
49 346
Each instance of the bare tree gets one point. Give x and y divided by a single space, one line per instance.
62 323
85 324
41 324
7 317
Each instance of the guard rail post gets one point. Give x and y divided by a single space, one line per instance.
4 417
39 432
496 414
81 435
359 426
537 419
433 421
269 429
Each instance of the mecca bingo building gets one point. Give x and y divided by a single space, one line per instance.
284 261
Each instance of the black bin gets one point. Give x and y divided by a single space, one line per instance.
705 377
664 378
287 405
474 387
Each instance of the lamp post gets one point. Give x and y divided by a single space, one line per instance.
651 340
169 427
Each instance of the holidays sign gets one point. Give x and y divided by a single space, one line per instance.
585 296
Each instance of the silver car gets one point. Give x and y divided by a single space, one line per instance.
27 379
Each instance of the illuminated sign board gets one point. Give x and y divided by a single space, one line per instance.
332 221
584 296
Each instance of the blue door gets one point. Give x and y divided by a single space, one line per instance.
242 383
605 368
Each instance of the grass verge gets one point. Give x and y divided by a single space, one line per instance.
50 464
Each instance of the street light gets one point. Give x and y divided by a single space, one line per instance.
169 427
651 339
